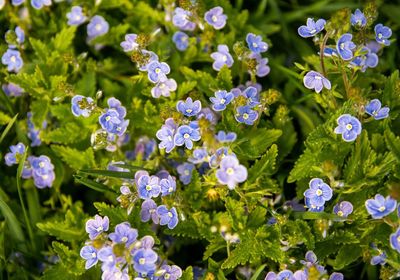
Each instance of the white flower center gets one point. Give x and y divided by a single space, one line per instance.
224 58
319 192
158 70
108 118
214 18
186 135
161 86
382 208
124 239
189 111
170 214
93 255
312 31
148 188
100 228
230 171
98 27
118 274
186 172
341 46
41 164
142 260
110 258
77 17
45 177
245 116
340 213
13 59
222 101
380 36
167 276
349 126
169 138
170 189
318 77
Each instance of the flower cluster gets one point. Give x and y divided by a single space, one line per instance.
96 27
36 4
121 250
12 57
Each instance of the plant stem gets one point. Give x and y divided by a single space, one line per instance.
321 53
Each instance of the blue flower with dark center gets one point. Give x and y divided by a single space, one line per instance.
189 107
181 40
349 126
318 192
395 240
13 60
221 99
382 34
345 46
246 115
374 108
255 43
216 17
312 28
89 253
76 16
358 19
380 207
343 209
185 171
222 57
148 187
97 26
167 217
157 71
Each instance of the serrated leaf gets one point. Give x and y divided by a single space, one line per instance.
76 159
115 214
255 143
187 274
63 40
347 255
264 166
224 78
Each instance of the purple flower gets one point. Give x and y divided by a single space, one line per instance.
13 60
221 99
113 122
106 255
379 259
20 37
149 210
130 43
181 19
252 96
225 137
319 192
221 57
150 57
96 226
166 135
185 135
255 43
76 16
164 88
345 46
374 108
312 207
199 155
374 46
12 89
343 209
316 81
17 2
216 17
336 276
148 187
167 217
395 240
42 171
81 106
358 19
329 52
246 115
216 158
382 34
16 153
231 172
144 260
349 127
262 68
367 59
168 185
116 273
312 28
380 207
173 272
181 40
89 253
188 107
97 26
38 4
123 233
285 275
185 172
157 71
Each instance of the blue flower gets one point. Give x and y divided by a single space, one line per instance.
148 187
379 259
123 233
262 69
107 256
96 226
16 153
164 88
144 260
216 158
188 107
246 115
42 171
395 240
231 172
130 43
318 193
380 207
225 137
150 57
166 135
315 80
329 52
173 272
200 155
33 133
149 210
312 207
343 209
97 26
116 273
312 28
345 46
181 40
252 96
13 60
185 135
157 71
20 37
374 108
285 275
89 253
82 106
349 126
113 122
382 34
17 2
168 185
76 16
216 17
358 19
181 19
221 99
367 59
167 217
256 43
12 89
222 57
185 171
336 276
38 4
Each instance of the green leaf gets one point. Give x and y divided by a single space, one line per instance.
115 214
187 274
74 158
107 173
12 221
224 78
215 245
39 110
255 143
61 231
4 118
63 40
393 143
185 88
69 259
8 127
264 166
258 272
39 48
92 184
86 86
347 255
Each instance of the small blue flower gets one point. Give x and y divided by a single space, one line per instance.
221 99
42 171
345 46
16 153
349 126
17 2
150 57
380 207
97 26
149 210
312 207
343 209
188 107
107 256
12 89
173 272
285 275
185 171
112 122
336 276
216 158
181 19
157 71
208 114
255 43
96 226
168 185
123 233
382 34
166 135
358 19
89 253
82 106
312 28
76 16
185 135
395 240
148 187
379 259
329 52
231 172
222 57
200 155
164 88
20 37
167 217
216 17
225 137
33 132
367 59
374 108
251 93
181 40
318 193
38 4
262 69
13 60
144 260
316 81
130 43
246 115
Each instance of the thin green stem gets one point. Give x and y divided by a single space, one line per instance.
321 53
